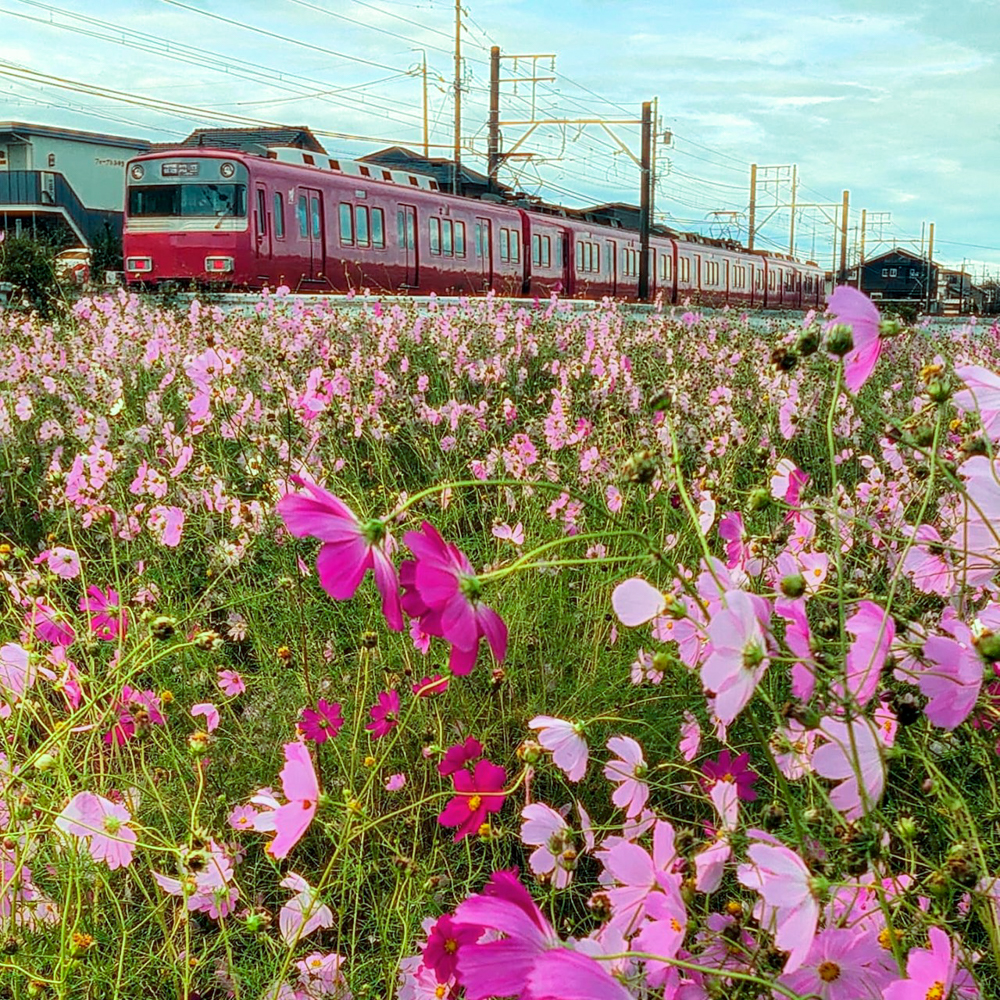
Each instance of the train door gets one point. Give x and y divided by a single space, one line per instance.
696 278
484 252
311 232
724 280
262 230
406 235
612 246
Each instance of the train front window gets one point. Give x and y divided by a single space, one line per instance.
211 201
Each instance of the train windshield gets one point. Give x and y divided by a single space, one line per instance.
188 200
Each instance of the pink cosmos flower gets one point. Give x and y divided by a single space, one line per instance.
102 824
384 714
982 393
48 624
852 308
690 737
17 672
628 771
65 563
395 782
951 681
841 965
210 712
556 846
478 794
798 639
788 482
501 967
243 818
304 912
230 683
209 889
873 630
442 590
301 788
976 539
738 659
853 749
136 711
350 546
456 757
927 563
110 620
568 747
321 723
785 886
636 602
932 973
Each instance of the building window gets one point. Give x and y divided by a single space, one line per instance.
3 159
885 272
378 228
52 160
279 216
913 272
892 272
346 225
435 228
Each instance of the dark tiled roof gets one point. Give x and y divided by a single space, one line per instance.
248 138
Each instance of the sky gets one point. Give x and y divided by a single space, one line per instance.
896 102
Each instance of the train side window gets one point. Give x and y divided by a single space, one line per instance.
261 212
447 246
536 249
401 228
770 280
435 228
317 226
515 246
279 216
546 251
361 225
559 250
478 233
459 239
302 210
504 244
579 256
378 228
346 225
685 269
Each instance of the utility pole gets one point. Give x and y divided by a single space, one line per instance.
843 235
645 199
861 258
426 115
931 285
753 205
791 232
494 122
456 183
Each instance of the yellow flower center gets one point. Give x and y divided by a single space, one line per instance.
440 990
936 992
450 946
475 802
829 972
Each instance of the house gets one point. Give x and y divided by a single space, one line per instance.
472 184
898 275
62 182
250 140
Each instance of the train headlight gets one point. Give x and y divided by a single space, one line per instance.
138 171
227 170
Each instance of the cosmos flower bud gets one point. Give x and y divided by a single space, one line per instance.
793 585
891 327
641 467
907 827
840 340
759 498
939 391
808 342
45 762
989 647
162 627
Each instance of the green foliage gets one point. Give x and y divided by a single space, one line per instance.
29 265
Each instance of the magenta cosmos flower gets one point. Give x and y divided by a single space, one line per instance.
350 546
477 795
384 713
738 658
733 770
442 590
842 964
456 757
321 723
852 308
110 619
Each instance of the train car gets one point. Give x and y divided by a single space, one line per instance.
227 219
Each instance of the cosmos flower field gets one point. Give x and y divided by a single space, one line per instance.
498 652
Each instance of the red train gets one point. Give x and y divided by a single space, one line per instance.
225 219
